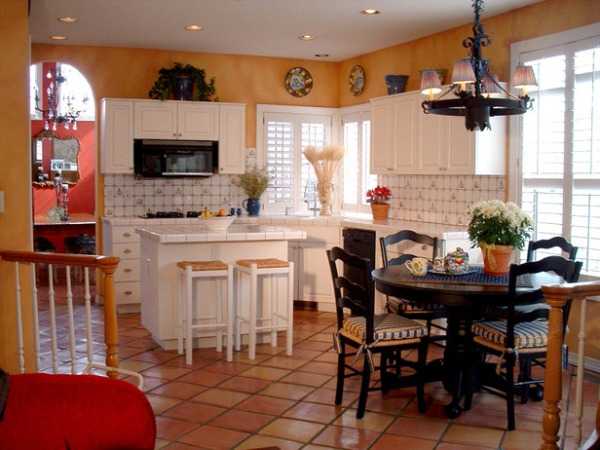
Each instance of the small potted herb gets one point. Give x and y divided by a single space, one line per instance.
254 184
378 197
182 83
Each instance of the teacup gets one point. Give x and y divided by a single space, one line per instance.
417 266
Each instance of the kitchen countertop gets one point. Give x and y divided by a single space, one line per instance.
74 219
188 232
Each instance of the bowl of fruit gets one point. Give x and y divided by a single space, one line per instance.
218 221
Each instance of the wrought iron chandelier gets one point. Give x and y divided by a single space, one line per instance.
479 93
51 115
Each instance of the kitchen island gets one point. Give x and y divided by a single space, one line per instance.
163 246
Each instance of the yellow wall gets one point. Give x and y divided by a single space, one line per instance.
15 229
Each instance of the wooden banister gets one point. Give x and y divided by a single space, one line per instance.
557 296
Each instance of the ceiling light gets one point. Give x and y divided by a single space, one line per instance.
306 37
322 55
193 27
370 12
68 19
58 37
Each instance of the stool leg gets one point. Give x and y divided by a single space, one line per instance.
290 310
238 312
252 315
274 294
230 312
189 315
219 313
179 306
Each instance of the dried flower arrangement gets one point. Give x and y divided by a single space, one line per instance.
326 162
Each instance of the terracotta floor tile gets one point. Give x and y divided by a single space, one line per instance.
291 429
306 354
265 405
320 368
180 446
204 378
314 346
258 441
350 384
448 446
160 444
314 412
171 429
521 440
321 337
197 363
317 447
393 442
242 357
462 434
347 438
265 373
328 357
160 404
283 362
267 349
221 397
242 420
388 403
229 368
136 366
176 389
285 390
418 427
166 372
248 385
149 382
126 352
305 378
194 412
210 437
370 421
327 397
155 356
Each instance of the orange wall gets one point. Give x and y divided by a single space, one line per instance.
15 225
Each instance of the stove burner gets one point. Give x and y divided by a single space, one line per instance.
164 215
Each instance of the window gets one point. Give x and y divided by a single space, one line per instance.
357 176
559 146
35 76
77 91
293 182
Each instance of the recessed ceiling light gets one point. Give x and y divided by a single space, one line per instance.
58 37
322 55
306 37
68 19
370 12
193 27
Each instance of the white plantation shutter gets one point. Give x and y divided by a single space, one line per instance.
280 161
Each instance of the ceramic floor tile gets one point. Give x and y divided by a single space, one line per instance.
221 397
160 404
314 412
462 434
418 427
209 437
235 419
289 391
160 444
347 438
266 405
447 446
204 377
194 412
155 356
176 389
317 447
242 384
305 354
314 346
166 372
327 396
229 368
180 446
305 378
268 442
370 421
170 429
284 362
265 373
320 368
521 440
393 442
291 429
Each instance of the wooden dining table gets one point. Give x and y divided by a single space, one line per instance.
465 298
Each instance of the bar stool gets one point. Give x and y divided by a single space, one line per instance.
188 272
255 268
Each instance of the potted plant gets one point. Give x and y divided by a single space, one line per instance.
254 184
498 228
378 198
182 83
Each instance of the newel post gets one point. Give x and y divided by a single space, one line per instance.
111 334
556 298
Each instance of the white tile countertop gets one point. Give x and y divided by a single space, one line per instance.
195 232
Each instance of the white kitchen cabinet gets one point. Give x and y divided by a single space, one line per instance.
155 119
198 121
383 142
116 137
232 133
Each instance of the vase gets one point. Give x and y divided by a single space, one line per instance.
396 84
325 190
496 258
184 87
252 206
380 211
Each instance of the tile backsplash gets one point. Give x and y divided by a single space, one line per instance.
439 198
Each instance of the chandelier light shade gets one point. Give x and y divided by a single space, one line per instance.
485 97
430 83
524 79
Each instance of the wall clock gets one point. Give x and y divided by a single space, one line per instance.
357 79
298 82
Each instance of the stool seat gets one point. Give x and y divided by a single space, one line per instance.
202 266
264 263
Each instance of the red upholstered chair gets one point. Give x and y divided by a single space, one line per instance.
75 412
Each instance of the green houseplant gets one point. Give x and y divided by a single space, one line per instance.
498 228
253 183
182 83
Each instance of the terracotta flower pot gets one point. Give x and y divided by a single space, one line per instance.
496 258
380 211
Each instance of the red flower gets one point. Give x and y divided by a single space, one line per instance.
379 194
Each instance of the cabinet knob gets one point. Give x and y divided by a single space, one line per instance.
127 292
126 234
127 251
126 270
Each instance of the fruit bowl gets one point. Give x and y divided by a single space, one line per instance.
217 223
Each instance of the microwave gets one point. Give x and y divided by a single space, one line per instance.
175 158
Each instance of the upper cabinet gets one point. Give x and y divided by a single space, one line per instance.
155 120
232 120
407 141
198 121
116 153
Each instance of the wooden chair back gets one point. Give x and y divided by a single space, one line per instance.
557 241
403 236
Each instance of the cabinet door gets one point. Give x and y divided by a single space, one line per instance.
117 137
232 127
406 110
198 120
155 120
460 148
383 154
431 134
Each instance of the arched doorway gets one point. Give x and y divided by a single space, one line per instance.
63 130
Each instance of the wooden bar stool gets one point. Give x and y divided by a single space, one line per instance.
276 320
188 272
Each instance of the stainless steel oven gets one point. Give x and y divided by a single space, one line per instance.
174 158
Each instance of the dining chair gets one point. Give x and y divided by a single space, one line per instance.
512 334
412 310
547 244
369 334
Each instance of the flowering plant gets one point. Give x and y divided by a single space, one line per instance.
494 222
379 194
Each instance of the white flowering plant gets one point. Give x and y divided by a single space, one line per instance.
494 222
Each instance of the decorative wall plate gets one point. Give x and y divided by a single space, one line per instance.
357 79
298 82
